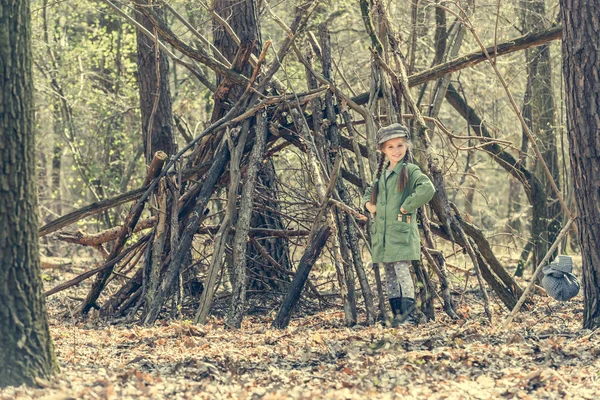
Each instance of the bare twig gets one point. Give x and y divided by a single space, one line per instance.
107 265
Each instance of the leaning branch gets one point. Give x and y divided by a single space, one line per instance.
109 264
96 239
469 60
91 209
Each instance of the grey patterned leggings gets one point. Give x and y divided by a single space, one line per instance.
399 281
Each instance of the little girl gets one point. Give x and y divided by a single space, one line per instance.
398 190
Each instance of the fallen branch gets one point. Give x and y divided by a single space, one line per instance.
104 267
96 239
471 59
54 262
306 263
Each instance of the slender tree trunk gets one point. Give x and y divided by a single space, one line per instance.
155 94
55 194
347 233
539 107
26 350
581 52
238 291
157 135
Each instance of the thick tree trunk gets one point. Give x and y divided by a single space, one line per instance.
242 16
26 350
581 52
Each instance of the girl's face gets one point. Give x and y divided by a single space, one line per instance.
394 149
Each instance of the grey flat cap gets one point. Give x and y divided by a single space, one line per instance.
558 280
392 131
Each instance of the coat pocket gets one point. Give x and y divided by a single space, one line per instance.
400 233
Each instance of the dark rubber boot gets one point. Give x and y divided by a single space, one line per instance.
395 305
407 308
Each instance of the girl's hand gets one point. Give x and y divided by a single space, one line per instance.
402 210
371 207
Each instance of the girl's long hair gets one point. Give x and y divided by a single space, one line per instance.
402 181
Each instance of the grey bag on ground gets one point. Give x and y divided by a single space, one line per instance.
558 279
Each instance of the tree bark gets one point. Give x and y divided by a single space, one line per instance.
26 349
155 93
346 232
310 256
242 17
238 291
581 51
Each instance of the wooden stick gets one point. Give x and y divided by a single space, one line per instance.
382 308
54 262
97 239
152 271
98 207
205 41
94 271
244 216
319 239
348 209
444 283
130 221
471 59
91 209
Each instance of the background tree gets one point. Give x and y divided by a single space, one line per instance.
26 351
539 113
581 52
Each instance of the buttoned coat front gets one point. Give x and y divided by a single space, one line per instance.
392 238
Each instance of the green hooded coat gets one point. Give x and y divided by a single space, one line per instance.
393 239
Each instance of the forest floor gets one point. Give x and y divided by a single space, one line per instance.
544 354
